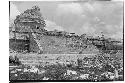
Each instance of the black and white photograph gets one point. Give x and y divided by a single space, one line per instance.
74 40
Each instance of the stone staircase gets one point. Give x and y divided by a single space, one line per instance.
36 40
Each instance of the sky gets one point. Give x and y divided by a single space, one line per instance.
81 17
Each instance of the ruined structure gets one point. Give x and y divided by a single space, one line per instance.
30 34
26 24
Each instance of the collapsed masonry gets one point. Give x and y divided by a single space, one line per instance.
27 24
31 25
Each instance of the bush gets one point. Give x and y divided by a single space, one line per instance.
14 60
97 66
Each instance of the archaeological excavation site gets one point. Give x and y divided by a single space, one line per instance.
38 54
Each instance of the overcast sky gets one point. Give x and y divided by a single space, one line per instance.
91 17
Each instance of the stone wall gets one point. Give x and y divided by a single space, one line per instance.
33 45
18 45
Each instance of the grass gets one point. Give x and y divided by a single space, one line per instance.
94 66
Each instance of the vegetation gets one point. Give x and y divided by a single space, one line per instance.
14 61
97 68
107 65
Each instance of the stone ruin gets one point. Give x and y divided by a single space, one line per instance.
31 26
26 24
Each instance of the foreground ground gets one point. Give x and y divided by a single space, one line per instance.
102 67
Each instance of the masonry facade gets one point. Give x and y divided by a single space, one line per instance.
30 21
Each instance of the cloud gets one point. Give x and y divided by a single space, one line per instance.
108 30
50 26
88 29
74 8
91 17
118 35
117 0
13 13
